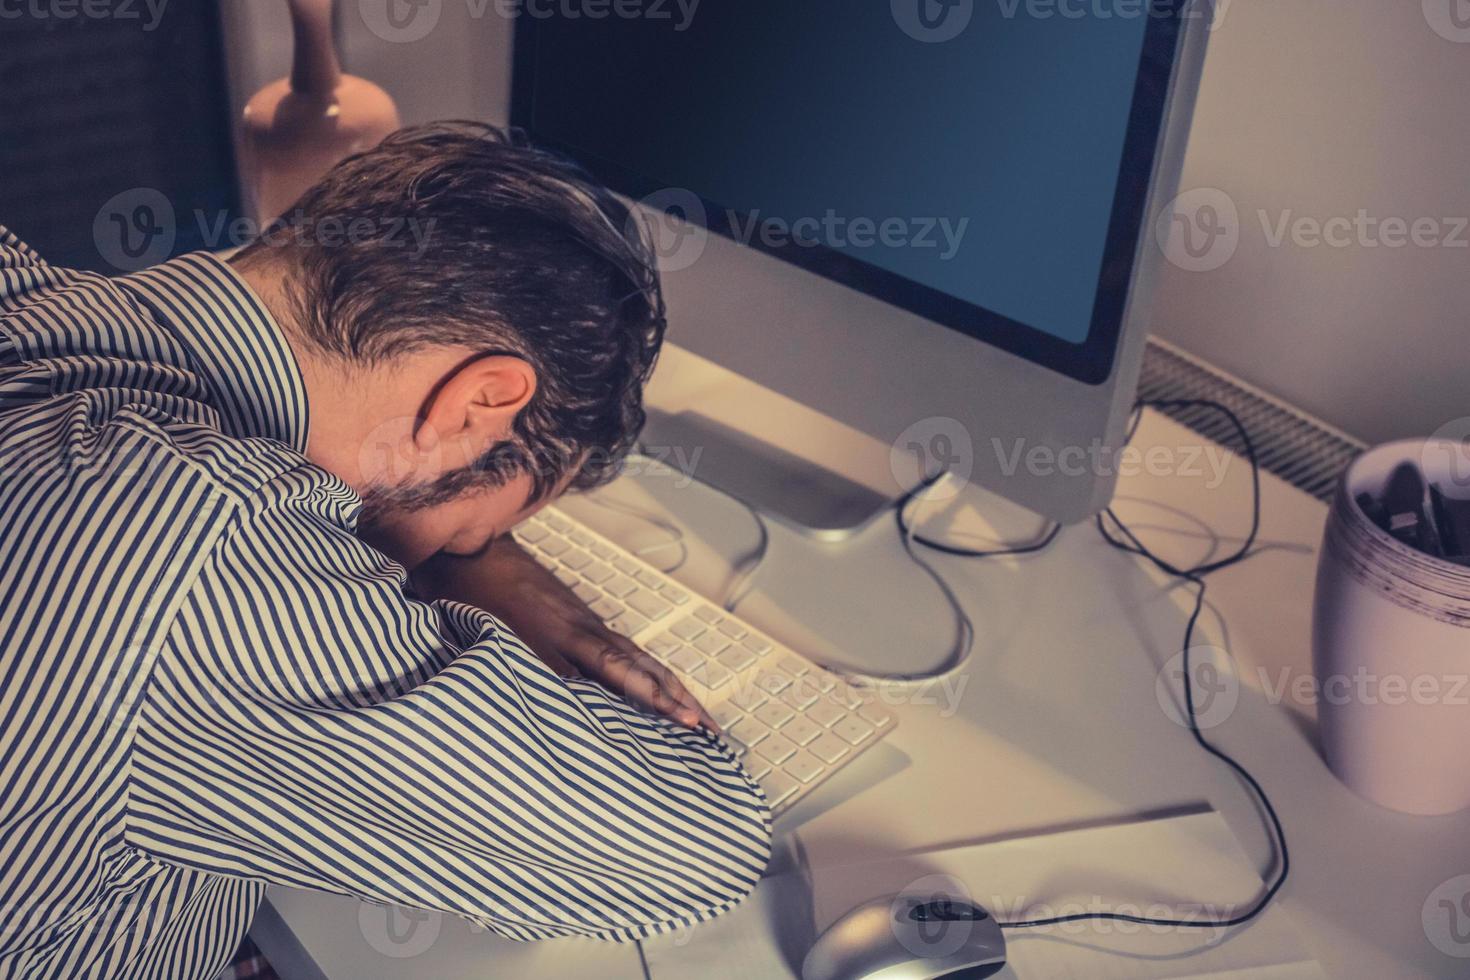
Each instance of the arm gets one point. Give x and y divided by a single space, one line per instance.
307 724
572 639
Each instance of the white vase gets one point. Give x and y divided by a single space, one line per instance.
295 129
1391 646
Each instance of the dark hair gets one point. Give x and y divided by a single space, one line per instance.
518 251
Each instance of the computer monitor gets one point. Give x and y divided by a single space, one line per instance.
935 218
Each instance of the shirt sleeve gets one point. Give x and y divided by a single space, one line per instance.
309 724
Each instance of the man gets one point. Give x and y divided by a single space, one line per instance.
216 672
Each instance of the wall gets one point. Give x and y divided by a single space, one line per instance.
1313 109
1321 108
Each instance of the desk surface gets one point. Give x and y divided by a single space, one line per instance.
1055 724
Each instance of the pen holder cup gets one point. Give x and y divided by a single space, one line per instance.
1391 644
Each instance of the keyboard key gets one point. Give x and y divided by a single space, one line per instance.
847 695
674 594
802 730
649 605
628 624
620 586
748 697
649 578
800 695
737 658
597 573
628 565
773 682
565 576
749 732
757 644
778 786
793 664
716 677
829 748
580 537
853 730
725 714
607 609
558 523
775 749
685 660
576 559
601 550
733 629
663 645
553 546
711 643
875 715
824 680
758 768
803 766
774 713
585 592
531 533
825 713
709 614
687 628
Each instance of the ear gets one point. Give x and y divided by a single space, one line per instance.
474 407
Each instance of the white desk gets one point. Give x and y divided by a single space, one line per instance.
1057 724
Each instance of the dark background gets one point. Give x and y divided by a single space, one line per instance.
90 108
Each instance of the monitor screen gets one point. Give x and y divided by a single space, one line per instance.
989 177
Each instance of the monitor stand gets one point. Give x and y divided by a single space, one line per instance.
806 470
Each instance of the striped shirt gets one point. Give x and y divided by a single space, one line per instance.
208 683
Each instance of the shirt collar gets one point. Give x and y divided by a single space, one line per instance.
234 343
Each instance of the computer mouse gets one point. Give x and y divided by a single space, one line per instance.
909 938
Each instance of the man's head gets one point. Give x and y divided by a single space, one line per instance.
476 319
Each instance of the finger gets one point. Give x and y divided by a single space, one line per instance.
621 665
675 690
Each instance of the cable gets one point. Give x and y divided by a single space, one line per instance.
964 641
1195 576
675 533
751 564
1040 544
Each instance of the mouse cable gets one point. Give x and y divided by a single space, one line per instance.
1118 535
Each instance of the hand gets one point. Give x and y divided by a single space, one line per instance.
558 626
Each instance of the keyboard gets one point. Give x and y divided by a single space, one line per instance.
791 722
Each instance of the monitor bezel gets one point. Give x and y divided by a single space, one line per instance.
1090 361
